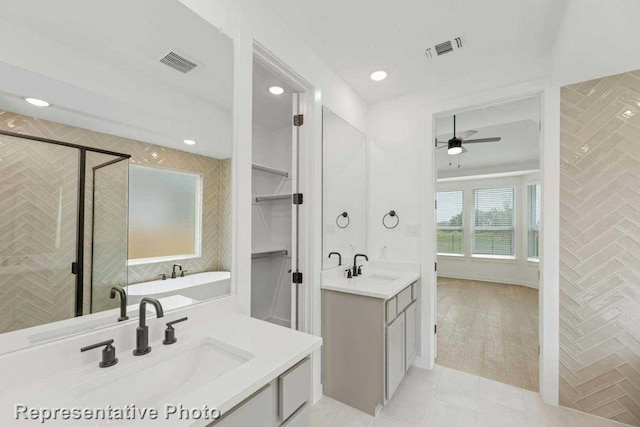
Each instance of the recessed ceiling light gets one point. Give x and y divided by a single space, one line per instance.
37 102
628 114
189 142
378 76
276 90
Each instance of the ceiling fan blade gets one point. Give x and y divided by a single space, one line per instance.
473 141
443 146
466 134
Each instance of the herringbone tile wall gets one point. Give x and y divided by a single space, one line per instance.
55 300
600 247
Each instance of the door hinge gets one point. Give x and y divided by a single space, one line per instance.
298 120
297 277
435 266
74 268
435 329
297 198
436 142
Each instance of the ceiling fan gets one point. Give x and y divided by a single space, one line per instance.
454 145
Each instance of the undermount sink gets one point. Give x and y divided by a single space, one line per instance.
378 279
151 383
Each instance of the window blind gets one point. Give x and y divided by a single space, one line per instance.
493 222
449 216
533 221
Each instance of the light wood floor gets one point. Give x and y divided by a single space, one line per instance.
489 329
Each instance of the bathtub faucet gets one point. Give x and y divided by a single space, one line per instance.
173 270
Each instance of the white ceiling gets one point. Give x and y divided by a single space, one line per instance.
517 123
271 111
504 41
97 63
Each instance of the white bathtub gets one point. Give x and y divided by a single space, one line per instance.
199 287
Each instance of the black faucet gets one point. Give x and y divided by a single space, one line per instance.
123 301
339 257
108 353
142 331
173 270
357 271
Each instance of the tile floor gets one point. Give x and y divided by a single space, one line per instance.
489 329
444 397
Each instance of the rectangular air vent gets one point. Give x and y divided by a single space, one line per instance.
444 47
178 62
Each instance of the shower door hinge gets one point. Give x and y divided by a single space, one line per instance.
298 120
74 268
435 329
297 277
436 144
297 198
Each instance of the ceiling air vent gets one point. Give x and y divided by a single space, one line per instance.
444 47
178 62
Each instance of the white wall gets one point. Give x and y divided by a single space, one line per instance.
517 271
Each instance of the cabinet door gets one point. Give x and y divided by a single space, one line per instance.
411 334
257 411
395 354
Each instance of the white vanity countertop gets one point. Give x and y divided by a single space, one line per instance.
273 350
371 284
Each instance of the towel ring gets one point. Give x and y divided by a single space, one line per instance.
392 214
343 215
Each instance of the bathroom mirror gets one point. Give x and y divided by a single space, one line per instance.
344 198
115 164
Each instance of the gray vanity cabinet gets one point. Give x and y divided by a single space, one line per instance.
284 402
395 354
411 334
368 345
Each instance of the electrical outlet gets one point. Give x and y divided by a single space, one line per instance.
383 252
412 230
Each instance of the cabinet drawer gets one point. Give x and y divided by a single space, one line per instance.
404 298
392 309
294 389
301 418
257 411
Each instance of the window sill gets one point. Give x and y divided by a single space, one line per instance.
143 261
494 258
451 256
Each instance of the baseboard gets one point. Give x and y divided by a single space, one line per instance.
489 279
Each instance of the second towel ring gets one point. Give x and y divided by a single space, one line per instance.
343 215
391 214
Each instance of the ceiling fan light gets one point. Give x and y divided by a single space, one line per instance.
452 151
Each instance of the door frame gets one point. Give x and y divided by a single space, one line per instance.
549 292
307 183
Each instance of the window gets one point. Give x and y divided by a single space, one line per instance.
450 235
533 221
164 214
493 222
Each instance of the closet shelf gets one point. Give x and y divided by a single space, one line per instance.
264 168
273 197
269 254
